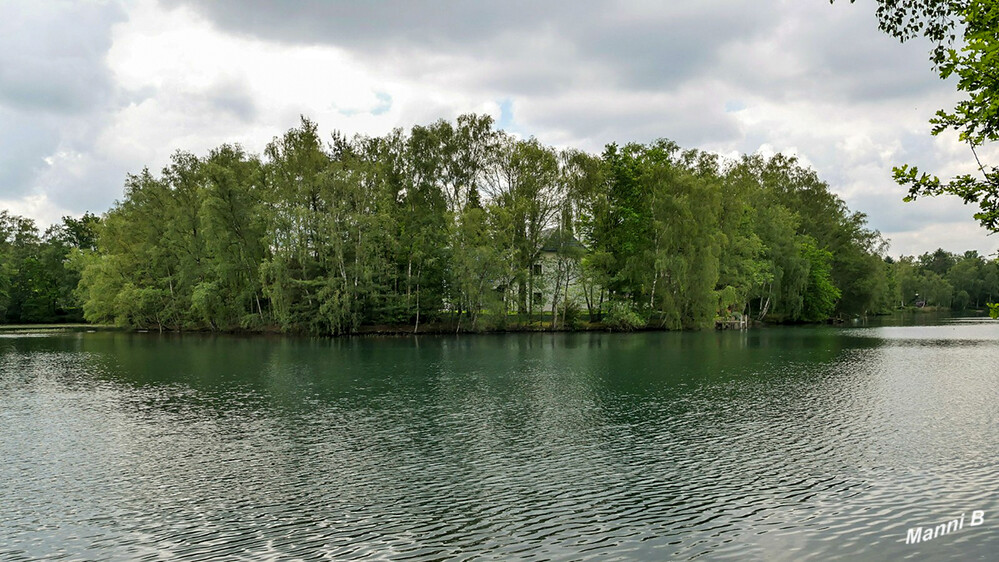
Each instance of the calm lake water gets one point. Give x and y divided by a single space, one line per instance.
777 444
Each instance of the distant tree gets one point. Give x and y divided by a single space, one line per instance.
80 233
939 262
37 279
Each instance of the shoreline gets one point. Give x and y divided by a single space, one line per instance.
438 328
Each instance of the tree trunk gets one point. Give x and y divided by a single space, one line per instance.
416 328
565 296
521 296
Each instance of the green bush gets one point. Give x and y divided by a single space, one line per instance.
572 316
623 317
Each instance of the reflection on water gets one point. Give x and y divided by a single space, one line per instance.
768 444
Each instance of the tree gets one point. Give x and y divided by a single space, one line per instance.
684 191
80 233
231 216
624 223
742 268
450 222
820 296
290 275
525 186
974 61
424 224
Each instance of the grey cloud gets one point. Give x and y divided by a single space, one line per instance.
529 47
922 151
865 67
887 212
56 94
55 88
52 55
24 145
534 74
585 73
381 25
672 43
93 188
234 99
843 59
594 121
540 49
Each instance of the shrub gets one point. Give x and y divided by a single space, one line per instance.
571 318
623 317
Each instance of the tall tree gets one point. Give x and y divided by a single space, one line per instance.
525 184
233 222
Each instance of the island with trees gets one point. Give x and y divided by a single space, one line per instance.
459 227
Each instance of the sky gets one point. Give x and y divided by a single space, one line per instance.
91 91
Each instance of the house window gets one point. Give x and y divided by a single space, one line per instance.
537 298
537 269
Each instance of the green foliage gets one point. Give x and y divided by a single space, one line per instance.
943 279
207 303
973 62
728 299
789 214
572 317
467 228
622 317
459 225
819 300
37 282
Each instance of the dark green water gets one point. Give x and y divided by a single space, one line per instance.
788 443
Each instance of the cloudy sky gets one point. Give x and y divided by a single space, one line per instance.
93 90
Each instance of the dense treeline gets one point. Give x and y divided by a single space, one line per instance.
37 278
467 228
943 279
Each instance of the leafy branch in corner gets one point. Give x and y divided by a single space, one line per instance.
974 62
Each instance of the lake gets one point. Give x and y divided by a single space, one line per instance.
774 443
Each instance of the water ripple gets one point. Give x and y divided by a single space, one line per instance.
780 446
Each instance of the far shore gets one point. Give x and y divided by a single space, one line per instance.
441 328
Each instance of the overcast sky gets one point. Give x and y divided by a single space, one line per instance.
91 91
